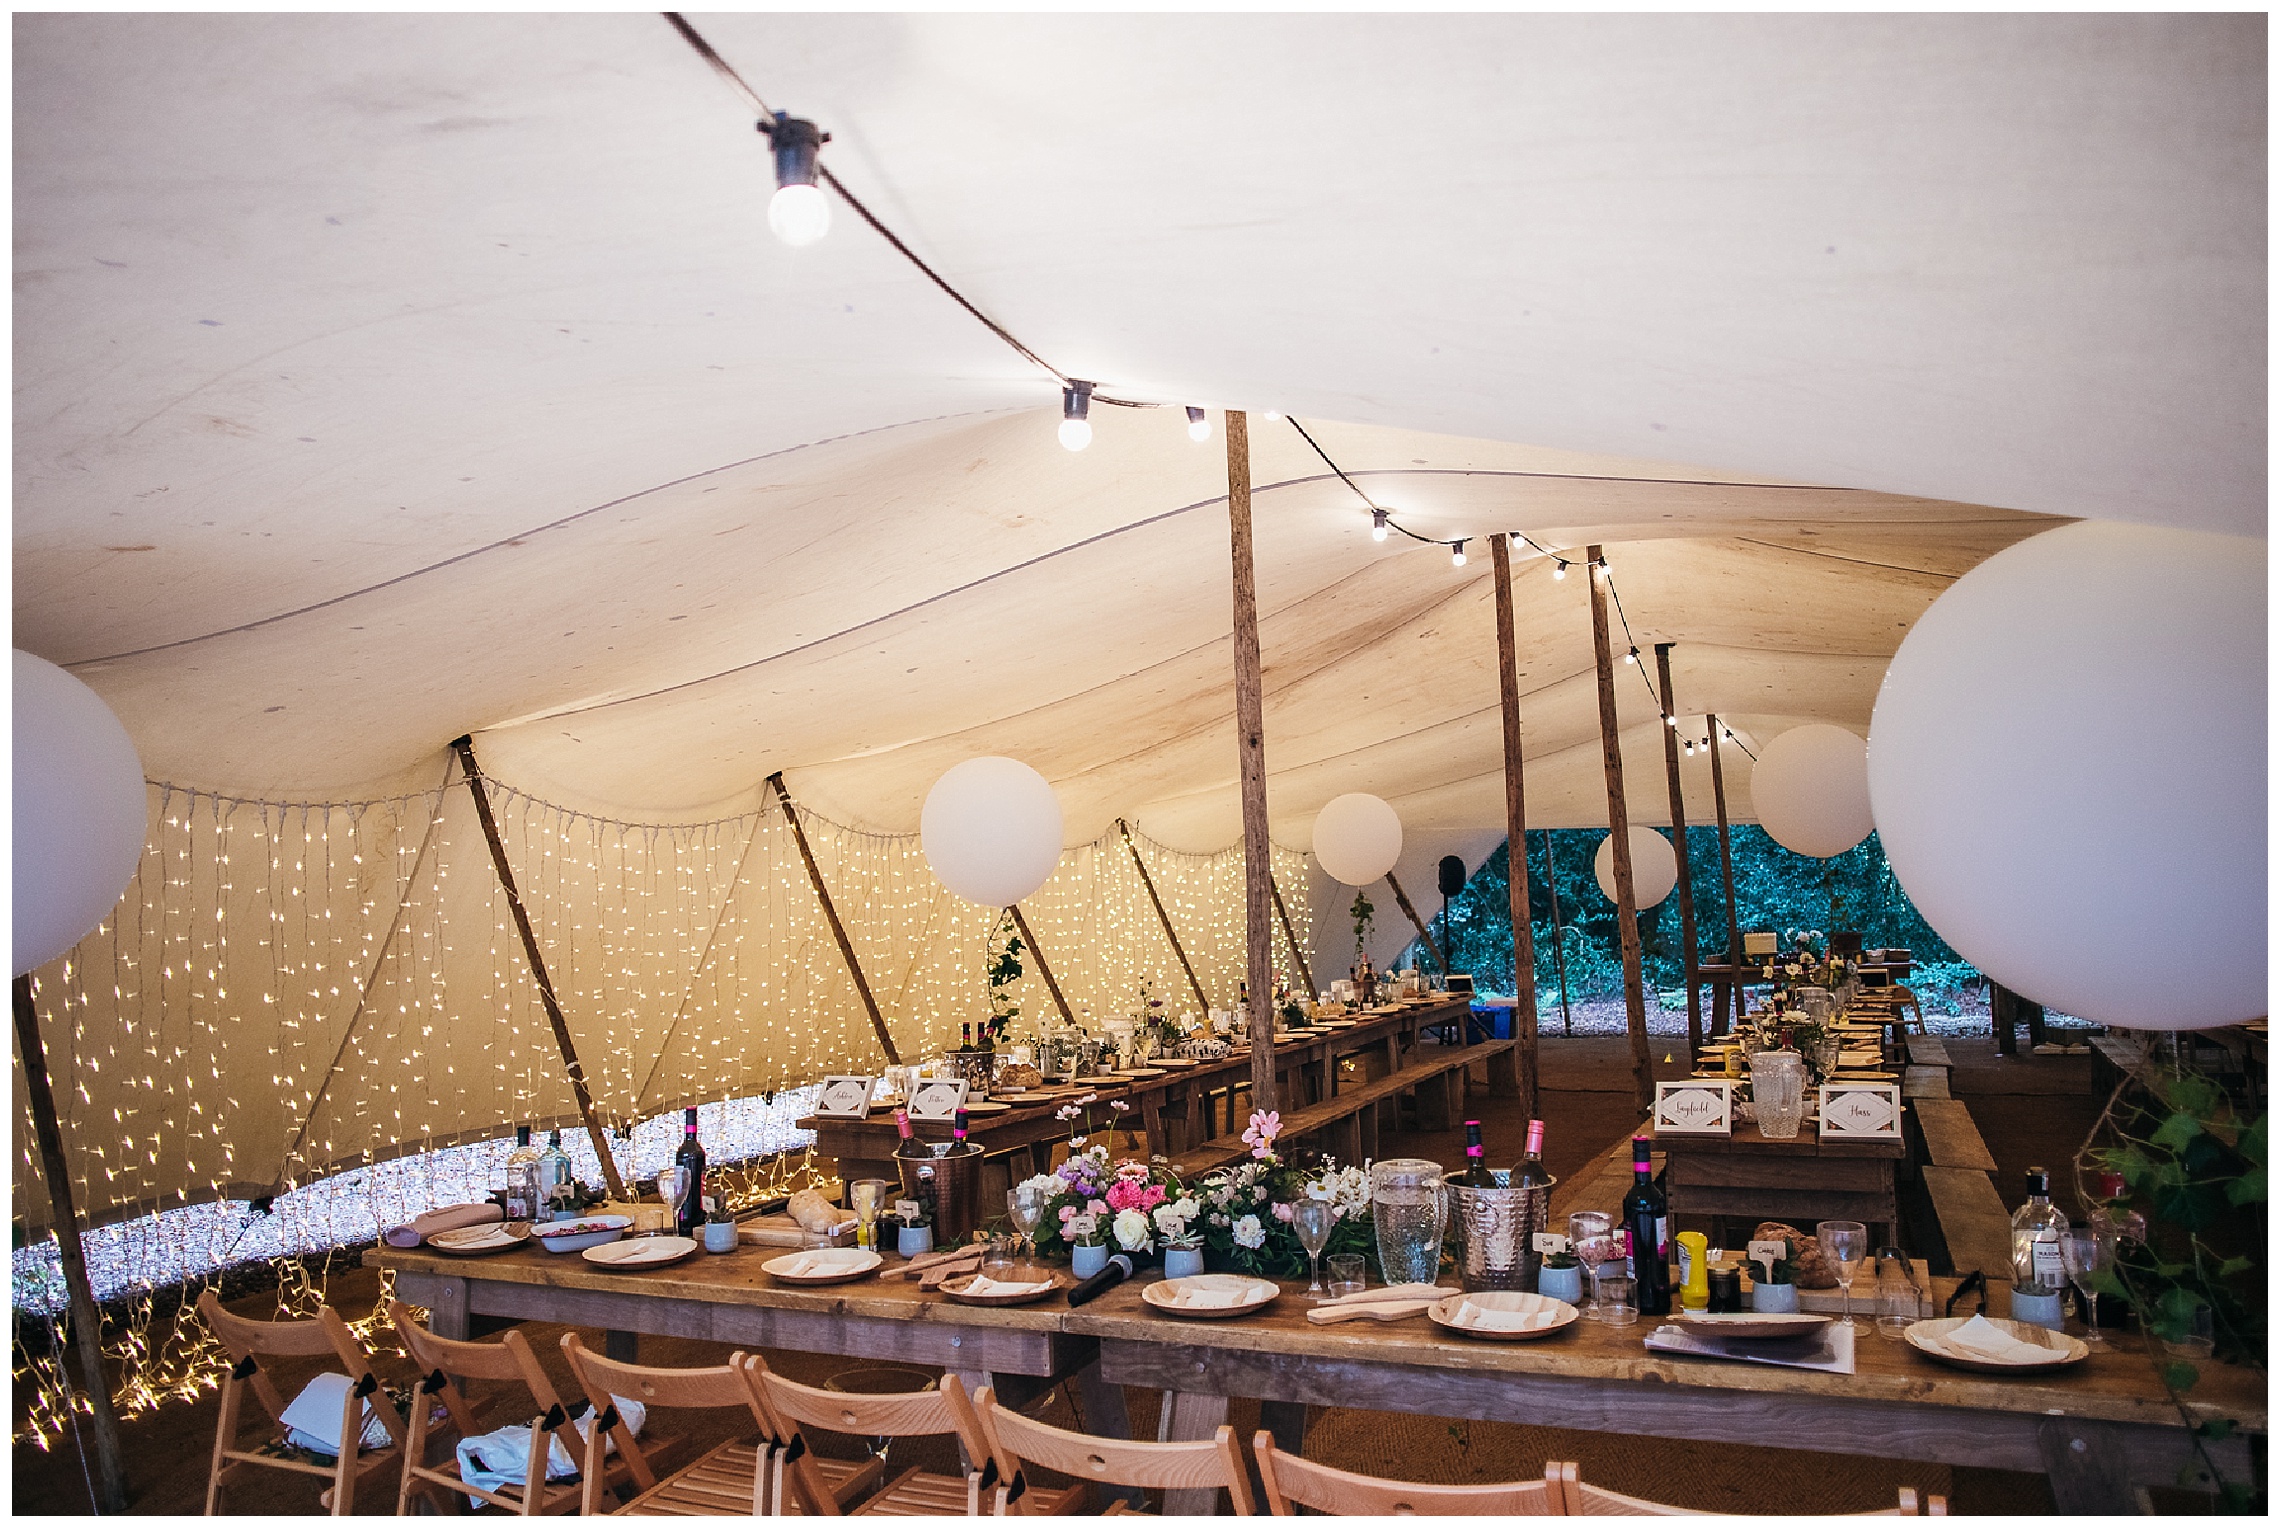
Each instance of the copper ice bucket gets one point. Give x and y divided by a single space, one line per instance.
1496 1232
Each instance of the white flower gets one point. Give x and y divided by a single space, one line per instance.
1132 1231
1249 1233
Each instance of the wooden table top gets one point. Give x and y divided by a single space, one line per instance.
2118 1384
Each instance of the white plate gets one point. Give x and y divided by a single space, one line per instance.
641 1252
829 1265
1255 1294
1924 1337
577 1235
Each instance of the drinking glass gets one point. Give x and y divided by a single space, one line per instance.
1027 1211
1349 1275
2088 1253
1845 1244
1611 1296
1777 1089
1312 1220
867 1196
1591 1237
674 1185
1897 1300
1409 1198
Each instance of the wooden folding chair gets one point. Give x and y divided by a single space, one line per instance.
1293 1482
736 1479
1581 1500
922 1414
324 1336
447 1365
1015 1440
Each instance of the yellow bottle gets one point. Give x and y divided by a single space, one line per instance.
1694 1270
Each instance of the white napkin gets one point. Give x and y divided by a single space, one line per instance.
1982 1339
822 1260
983 1284
1484 1318
1210 1297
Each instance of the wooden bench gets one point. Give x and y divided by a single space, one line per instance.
1972 1220
2113 1057
1928 1050
1352 1114
1950 1138
1924 1082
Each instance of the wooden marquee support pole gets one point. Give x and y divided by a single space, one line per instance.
1251 756
1685 864
1524 1051
1402 897
1619 832
831 916
1297 955
1726 871
1044 970
1559 933
1162 917
465 747
86 1318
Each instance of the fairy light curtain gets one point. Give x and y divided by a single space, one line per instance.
290 990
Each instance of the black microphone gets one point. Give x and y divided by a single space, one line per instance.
1119 1269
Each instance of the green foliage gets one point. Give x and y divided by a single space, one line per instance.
1365 913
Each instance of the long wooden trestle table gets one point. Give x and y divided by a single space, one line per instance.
2098 1429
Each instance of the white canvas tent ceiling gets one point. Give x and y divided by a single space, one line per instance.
383 378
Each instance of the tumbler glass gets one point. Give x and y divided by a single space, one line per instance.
1898 1302
1349 1274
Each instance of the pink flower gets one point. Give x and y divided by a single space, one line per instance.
1153 1196
1283 1212
1096 1207
1260 1134
1066 1211
1124 1194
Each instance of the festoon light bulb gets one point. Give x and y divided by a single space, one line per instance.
798 213
1456 554
1377 525
1199 424
1559 569
1076 404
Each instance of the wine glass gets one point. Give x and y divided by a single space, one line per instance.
1312 1220
1845 1244
2087 1254
673 1186
867 1196
1027 1211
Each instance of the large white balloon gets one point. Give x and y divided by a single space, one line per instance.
1810 788
1654 866
1357 838
991 828
2068 766
80 811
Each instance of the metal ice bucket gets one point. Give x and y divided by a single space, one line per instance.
1496 1232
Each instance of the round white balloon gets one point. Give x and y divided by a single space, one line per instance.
991 828
1654 866
1810 788
80 811
2068 766
1357 838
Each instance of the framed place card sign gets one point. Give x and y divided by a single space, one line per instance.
1860 1111
1698 1106
844 1098
940 1099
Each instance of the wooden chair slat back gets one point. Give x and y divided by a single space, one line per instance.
460 1360
671 1388
271 1339
1195 1465
1292 1481
920 1414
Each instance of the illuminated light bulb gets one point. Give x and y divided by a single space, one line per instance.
1672 720
1076 403
1199 424
1377 525
1600 567
1559 570
798 213
1632 657
1456 554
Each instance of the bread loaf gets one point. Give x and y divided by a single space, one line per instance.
1813 1270
813 1211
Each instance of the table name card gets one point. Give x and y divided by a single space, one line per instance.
843 1098
1550 1243
1860 1111
939 1099
1700 1107
1768 1253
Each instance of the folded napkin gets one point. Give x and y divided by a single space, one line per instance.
823 1260
1982 1339
1483 1318
1213 1297
449 1218
986 1286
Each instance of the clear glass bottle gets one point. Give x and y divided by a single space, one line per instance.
522 1177
553 1172
2037 1265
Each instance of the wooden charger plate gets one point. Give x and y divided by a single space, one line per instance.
1163 1295
1754 1323
1142 1073
1024 1100
861 1264
2063 1349
482 1241
1441 1312
1054 1282
987 1107
1174 1062
641 1252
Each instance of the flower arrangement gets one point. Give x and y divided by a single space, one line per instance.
1247 1209
1002 962
1365 913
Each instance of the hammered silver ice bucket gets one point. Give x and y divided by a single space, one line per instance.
1496 1233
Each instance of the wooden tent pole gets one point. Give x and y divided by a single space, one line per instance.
1524 1052
1685 864
1251 756
1559 933
1297 956
831 916
1619 831
1161 916
1424 933
1726 870
86 1319
465 747
1043 969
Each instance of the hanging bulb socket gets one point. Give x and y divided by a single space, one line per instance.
1456 554
1199 424
1076 404
798 213
1559 569
1378 525
1632 656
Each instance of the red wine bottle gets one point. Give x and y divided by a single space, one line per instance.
1476 1173
689 1218
960 1146
1646 1227
909 1146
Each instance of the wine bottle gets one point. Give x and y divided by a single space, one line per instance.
2037 1265
1115 1272
1476 1173
1646 1227
966 1037
689 1217
909 1146
959 1145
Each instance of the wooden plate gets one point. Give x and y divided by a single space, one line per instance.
989 1107
2063 1349
1141 1073
1024 1100
1441 1312
1163 1295
848 1264
1175 1062
641 1252
1761 1324
482 1241
955 1289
